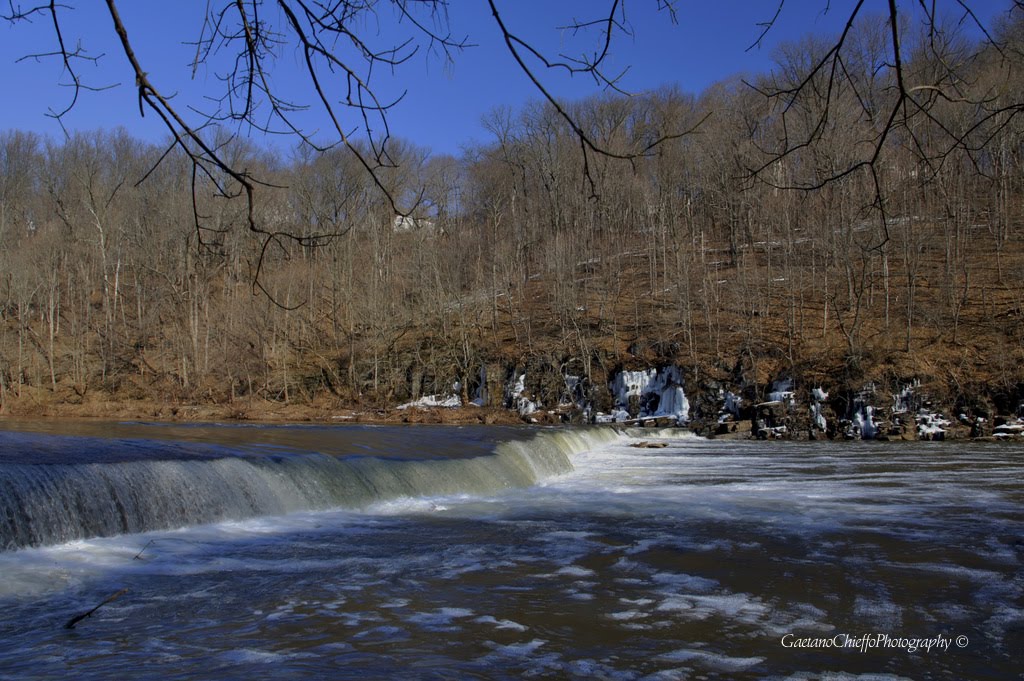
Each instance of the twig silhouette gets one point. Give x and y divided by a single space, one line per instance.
78 618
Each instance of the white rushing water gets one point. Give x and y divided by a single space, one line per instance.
697 560
129 491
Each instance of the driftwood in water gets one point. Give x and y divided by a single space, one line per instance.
649 445
78 618
138 556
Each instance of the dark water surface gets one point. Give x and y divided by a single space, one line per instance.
699 560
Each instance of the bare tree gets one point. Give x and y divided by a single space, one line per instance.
346 48
867 70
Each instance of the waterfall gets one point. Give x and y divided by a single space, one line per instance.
55 502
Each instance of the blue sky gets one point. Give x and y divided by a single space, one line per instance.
444 103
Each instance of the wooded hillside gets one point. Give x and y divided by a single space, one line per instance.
884 249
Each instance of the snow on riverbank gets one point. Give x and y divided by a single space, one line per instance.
452 401
516 397
429 401
717 408
650 394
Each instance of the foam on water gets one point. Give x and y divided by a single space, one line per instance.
712 661
683 562
56 502
501 624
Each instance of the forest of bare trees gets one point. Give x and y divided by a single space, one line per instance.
819 223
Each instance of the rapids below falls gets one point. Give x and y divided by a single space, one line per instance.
357 552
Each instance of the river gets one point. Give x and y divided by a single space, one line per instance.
276 552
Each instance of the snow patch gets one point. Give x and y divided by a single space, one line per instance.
650 394
515 397
782 391
906 400
817 418
931 426
731 405
1009 429
480 394
864 423
449 402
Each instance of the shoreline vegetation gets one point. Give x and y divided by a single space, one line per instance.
722 261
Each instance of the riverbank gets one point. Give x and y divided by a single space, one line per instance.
34 405
325 412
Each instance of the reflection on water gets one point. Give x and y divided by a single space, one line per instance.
692 561
411 442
